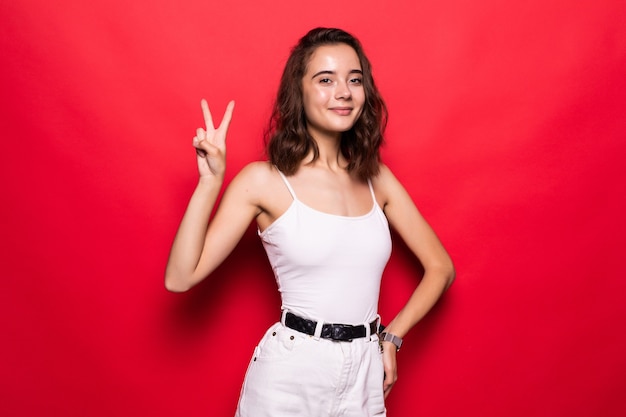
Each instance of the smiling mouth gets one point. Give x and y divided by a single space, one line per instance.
343 111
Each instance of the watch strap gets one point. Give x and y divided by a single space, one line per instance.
388 337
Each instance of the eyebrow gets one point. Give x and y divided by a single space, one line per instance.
354 71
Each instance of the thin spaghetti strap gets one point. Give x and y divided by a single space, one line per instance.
369 182
291 191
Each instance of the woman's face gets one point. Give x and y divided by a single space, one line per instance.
332 90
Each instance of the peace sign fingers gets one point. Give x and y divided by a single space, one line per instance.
210 143
217 136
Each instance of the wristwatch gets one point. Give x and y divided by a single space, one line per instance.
388 337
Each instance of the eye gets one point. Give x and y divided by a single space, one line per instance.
325 81
356 81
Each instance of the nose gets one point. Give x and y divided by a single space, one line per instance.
343 91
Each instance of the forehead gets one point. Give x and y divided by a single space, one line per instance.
333 57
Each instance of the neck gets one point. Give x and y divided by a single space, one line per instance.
329 152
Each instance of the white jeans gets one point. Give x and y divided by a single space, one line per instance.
293 374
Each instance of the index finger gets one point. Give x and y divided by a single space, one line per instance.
208 120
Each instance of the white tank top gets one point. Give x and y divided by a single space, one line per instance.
328 267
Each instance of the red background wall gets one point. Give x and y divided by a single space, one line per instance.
507 127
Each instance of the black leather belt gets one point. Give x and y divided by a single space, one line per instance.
340 332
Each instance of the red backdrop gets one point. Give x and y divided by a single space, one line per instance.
507 127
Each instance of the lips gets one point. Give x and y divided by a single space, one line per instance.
342 111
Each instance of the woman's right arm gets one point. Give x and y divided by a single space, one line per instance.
200 246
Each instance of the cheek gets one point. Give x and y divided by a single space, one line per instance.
358 96
358 100
314 99
321 95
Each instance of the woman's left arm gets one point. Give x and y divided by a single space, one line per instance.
406 220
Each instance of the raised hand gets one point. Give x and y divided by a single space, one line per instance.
210 143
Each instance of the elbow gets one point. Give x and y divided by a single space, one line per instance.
177 280
175 284
443 272
175 288
449 274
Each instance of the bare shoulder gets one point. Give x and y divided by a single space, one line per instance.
385 184
260 182
256 169
385 173
255 176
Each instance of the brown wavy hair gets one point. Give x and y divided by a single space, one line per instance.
287 140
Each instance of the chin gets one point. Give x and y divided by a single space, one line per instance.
344 127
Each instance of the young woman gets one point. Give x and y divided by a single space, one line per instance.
323 204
